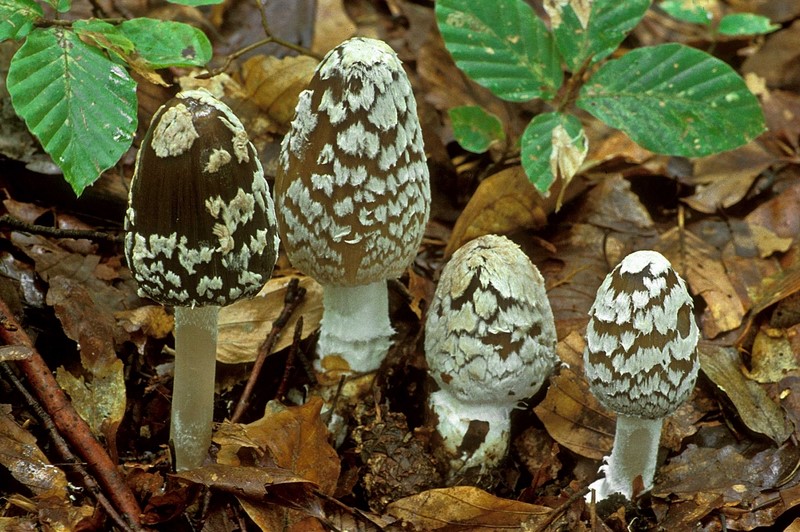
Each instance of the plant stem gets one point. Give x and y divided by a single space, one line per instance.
193 386
355 326
634 454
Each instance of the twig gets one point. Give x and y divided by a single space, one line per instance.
68 422
270 38
63 449
287 369
561 509
294 296
14 223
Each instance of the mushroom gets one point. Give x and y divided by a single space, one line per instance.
201 234
640 361
490 342
352 196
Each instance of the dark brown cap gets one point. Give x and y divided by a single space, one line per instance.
352 190
200 220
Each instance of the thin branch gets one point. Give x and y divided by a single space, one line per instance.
269 39
67 420
557 512
294 296
17 224
290 358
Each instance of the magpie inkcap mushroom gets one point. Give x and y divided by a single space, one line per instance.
352 195
640 361
490 342
201 233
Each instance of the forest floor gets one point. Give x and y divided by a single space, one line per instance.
728 223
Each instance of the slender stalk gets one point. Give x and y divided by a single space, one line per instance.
355 326
635 452
193 386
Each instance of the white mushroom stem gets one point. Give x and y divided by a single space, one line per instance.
453 420
355 326
193 386
635 452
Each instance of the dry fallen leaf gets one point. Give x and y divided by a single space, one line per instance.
775 61
296 439
21 456
152 320
466 508
773 356
756 409
504 202
332 26
100 396
573 418
604 227
700 265
724 179
244 325
737 472
274 84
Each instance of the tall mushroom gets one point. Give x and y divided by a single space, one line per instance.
352 195
201 234
490 342
640 361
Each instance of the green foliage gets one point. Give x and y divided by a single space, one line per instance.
690 12
674 99
502 45
608 24
17 18
671 98
70 83
735 24
162 43
79 104
475 128
553 145
745 24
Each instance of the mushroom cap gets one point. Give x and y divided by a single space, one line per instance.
490 334
352 190
641 358
200 219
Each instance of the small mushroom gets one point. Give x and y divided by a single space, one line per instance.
640 361
201 234
352 196
490 342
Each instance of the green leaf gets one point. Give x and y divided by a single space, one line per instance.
475 128
17 18
609 22
687 11
79 104
502 45
195 3
162 43
104 35
62 6
675 100
553 146
745 24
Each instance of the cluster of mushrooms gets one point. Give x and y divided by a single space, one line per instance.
351 204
